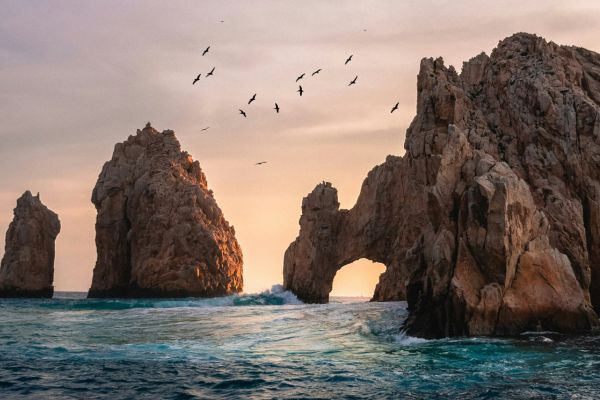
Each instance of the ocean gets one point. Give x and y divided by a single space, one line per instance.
270 346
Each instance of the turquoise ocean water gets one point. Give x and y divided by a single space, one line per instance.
270 346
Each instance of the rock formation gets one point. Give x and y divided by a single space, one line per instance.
159 230
27 268
490 223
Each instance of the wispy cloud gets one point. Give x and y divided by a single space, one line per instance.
76 77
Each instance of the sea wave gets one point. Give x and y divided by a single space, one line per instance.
404 340
222 350
274 297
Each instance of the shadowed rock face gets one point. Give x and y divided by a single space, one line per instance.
159 230
27 268
490 223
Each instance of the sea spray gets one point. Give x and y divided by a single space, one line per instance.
404 340
273 297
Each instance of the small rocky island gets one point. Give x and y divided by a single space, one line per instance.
27 268
159 230
490 223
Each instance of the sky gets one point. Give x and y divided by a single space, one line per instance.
76 77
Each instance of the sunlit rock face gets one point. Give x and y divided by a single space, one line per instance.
490 223
27 268
159 230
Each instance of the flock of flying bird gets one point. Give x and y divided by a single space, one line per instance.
276 108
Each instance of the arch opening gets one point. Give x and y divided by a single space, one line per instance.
357 279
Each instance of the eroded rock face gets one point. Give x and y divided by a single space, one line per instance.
27 268
490 223
159 230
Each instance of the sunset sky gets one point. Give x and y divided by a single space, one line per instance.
77 77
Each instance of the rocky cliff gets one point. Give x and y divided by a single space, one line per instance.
159 230
27 268
490 222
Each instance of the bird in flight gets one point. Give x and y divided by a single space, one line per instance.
203 129
276 108
243 113
316 72
395 107
211 73
349 59
197 79
252 98
260 163
300 90
300 77
205 51
353 81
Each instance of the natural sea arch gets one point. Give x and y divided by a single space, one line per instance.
357 279
331 238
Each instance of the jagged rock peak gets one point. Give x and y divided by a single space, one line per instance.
490 222
159 230
323 196
27 268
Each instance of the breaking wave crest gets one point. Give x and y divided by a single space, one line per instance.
404 340
274 297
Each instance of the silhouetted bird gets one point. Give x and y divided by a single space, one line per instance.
300 77
203 129
349 59
211 72
395 107
353 81
316 72
197 79
300 90
222 21
252 98
276 108
260 163
205 51
243 113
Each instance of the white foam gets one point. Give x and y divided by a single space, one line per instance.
539 333
404 340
